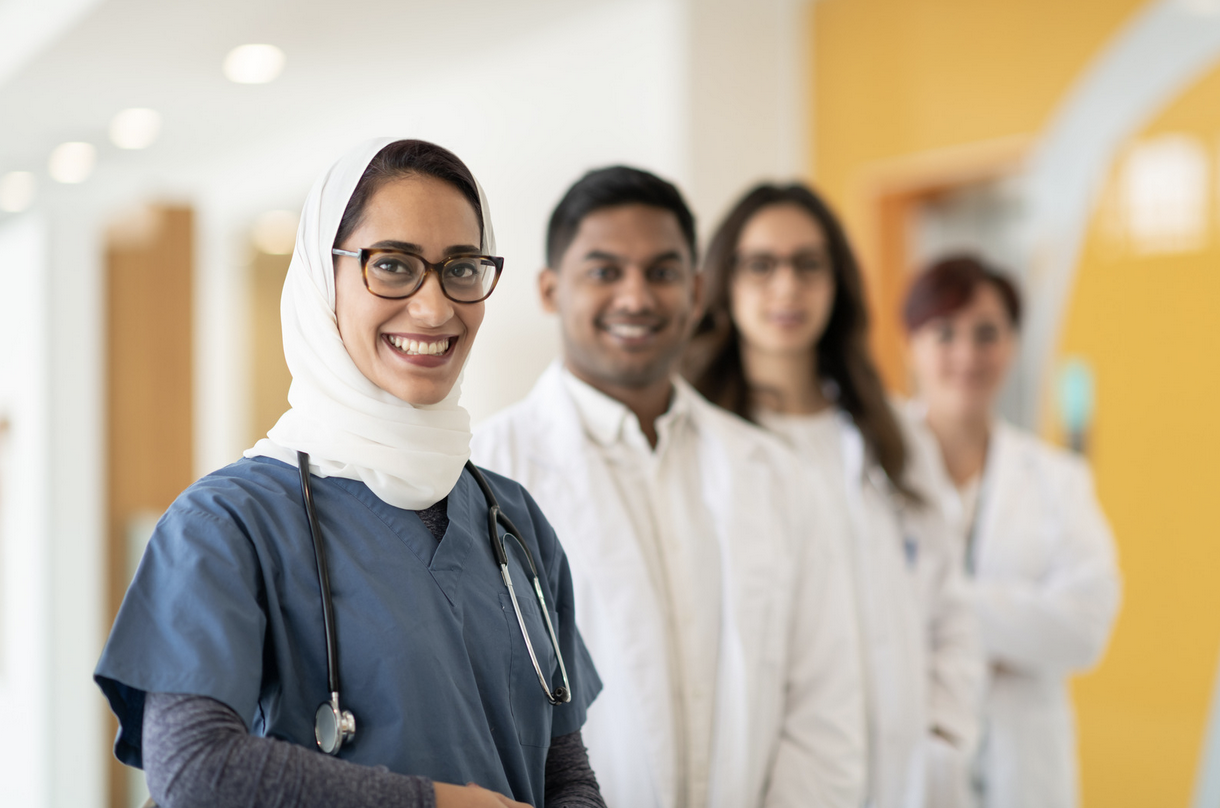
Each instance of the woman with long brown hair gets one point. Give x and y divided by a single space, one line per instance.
783 343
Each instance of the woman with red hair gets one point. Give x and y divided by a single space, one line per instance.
1045 581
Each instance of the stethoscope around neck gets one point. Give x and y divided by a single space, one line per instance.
334 726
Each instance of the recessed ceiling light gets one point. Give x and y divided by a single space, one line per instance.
135 128
254 64
16 191
72 162
275 232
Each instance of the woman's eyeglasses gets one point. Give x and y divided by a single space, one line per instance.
394 275
761 267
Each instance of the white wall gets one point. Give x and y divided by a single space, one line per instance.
26 644
748 99
51 513
76 512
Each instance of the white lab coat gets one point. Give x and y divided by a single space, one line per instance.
789 727
921 646
1046 589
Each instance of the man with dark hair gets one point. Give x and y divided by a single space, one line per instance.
711 588
612 187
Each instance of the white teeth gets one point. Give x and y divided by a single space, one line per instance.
628 331
416 348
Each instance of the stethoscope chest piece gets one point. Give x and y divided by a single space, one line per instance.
333 727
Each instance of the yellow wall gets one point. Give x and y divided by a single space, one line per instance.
896 81
908 94
1150 326
893 78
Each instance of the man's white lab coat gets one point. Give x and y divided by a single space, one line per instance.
789 726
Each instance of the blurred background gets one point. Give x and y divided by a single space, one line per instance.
154 155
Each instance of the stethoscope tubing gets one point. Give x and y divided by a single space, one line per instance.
496 518
319 554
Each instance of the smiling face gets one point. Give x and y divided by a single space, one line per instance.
413 348
782 290
960 360
626 293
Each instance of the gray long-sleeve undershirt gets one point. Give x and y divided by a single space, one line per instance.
198 754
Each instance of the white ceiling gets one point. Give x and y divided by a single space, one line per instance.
349 60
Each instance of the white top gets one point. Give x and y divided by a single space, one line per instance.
671 527
816 437
913 610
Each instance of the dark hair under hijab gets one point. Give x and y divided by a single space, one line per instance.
713 361
404 158
608 188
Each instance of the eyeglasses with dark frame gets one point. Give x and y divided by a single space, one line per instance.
761 267
394 275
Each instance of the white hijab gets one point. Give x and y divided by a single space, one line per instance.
410 456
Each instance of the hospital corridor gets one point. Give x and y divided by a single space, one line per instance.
629 403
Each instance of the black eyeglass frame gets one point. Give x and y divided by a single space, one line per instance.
367 252
739 261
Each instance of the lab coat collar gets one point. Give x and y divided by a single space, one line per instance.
608 421
998 475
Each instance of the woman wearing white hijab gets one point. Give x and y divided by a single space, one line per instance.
220 654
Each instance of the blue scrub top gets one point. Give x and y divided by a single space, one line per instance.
225 604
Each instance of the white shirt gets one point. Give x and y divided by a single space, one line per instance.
663 489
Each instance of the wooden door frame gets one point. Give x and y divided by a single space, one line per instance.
887 195
149 259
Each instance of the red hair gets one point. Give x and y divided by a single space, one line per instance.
949 285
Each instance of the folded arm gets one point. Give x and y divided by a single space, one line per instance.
1061 622
198 754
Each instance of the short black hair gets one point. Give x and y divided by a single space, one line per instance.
607 188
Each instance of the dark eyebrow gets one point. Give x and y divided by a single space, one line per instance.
672 255
599 255
408 247
400 246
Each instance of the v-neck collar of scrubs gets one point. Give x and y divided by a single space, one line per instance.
445 558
